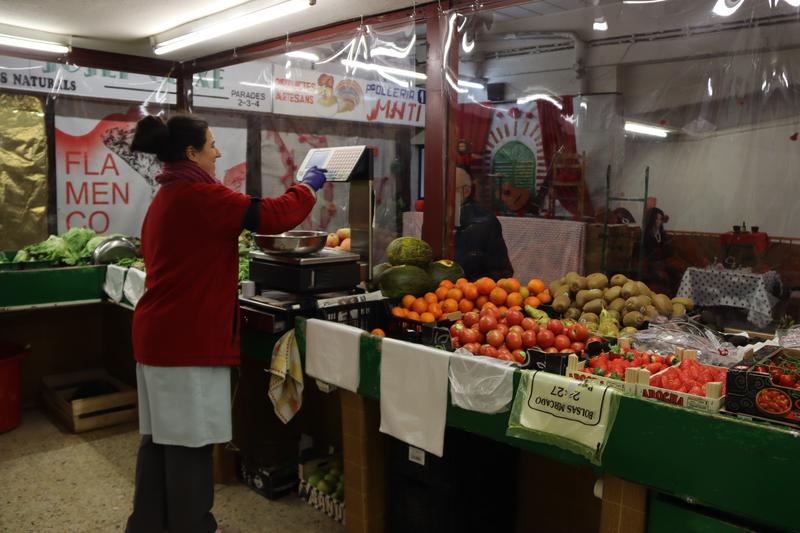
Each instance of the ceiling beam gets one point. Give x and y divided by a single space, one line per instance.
102 60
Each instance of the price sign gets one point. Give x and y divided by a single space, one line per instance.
437 337
557 409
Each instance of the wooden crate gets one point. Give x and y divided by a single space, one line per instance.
89 413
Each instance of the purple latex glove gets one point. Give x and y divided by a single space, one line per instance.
314 177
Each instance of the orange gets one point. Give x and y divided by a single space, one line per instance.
455 294
441 293
536 286
515 308
510 285
533 301
545 297
435 310
427 317
419 305
514 299
408 299
465 306
449 306
470 291
399 312
446 283
503 310
413 315
379 332
430 298
489 305
498 296
485 285
481 301
461 281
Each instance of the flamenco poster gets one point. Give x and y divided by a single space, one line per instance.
101 184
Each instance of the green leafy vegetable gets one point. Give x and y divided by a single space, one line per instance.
76 239
244 268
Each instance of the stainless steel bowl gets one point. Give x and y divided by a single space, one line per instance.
114 249
295 242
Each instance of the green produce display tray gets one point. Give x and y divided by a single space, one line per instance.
713 460
50 286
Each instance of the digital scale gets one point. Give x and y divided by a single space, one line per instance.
342 164
323 271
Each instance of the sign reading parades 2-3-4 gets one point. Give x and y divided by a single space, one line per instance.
256 86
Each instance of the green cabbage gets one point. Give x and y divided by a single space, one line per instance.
53 249
76 239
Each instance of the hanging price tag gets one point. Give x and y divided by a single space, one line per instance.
568 413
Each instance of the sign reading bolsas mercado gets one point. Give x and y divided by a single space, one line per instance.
319 94
246 87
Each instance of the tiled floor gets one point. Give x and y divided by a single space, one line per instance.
55 481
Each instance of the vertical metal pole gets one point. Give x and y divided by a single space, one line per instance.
605 222
644 220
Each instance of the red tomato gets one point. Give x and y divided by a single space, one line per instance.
488 350
528 323
473 347
471 318
514 317
518 355
561 342
495 338
593 338
518 329
514 340
578 333
545 338
505 356
577 347
490 311
555 326
786 381
487 323
502 328
481 337
528 339
456 328
468 336
551 349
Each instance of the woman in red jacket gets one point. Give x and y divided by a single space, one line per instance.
186 326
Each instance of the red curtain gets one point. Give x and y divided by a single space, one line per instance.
558 132
472 126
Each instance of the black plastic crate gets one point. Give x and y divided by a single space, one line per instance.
272 482
365 315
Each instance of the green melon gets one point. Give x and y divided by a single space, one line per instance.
405 279
445 269
377 270
409 251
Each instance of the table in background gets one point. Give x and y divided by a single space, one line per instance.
733 288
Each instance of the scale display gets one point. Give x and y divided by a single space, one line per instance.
340 162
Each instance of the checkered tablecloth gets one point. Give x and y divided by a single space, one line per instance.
733 288
537 247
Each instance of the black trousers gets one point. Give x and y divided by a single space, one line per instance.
174 489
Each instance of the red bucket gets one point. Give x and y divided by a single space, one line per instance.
10 385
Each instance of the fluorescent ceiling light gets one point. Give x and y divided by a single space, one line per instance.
539 96
300 54
33 44
381 68
231 25
600 24
644 129
471 84
726 8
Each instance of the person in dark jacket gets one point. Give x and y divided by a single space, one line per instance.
186 325
480 247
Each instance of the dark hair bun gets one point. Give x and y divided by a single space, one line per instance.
151 136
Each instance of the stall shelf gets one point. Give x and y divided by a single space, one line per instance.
51 287
711 460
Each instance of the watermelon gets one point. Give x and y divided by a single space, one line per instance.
377 270
445 269
409 251
405 279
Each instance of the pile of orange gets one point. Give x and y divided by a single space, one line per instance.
464 296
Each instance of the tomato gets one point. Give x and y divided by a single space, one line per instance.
551 349
594 338
519 356
490 311
514 340
502 328
471 318
528 323
488 350
468 336
456 328
577 346
487 323
505 356
561 342
786 381
545 338
495 338
473 347
528 339
555 326
578 333
518 329
514 317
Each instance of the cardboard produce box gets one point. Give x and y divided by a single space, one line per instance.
322 486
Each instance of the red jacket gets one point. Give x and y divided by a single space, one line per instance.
189 315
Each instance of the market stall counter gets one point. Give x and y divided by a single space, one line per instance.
708 460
